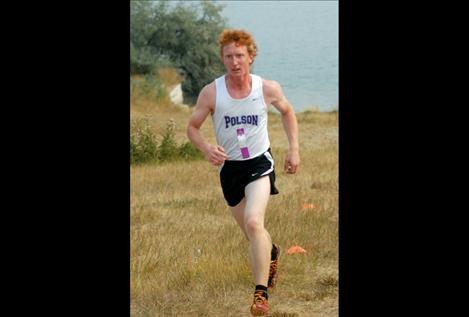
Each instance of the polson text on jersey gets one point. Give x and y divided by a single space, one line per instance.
249 119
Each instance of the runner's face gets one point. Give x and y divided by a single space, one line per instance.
236 59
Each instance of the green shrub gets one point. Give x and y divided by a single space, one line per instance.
168 148
144 147
188 151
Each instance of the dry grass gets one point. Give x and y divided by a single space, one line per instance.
189 257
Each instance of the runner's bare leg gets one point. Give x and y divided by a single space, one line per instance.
251 222
238 213
257 195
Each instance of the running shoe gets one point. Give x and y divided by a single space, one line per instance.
273 272
260 305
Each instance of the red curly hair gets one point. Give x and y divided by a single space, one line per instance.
240 37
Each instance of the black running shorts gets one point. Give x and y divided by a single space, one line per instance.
236 175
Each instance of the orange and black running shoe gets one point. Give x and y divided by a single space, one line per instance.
273 272
260 305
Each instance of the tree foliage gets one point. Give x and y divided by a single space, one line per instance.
183 35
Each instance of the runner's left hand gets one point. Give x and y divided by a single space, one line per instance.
292 162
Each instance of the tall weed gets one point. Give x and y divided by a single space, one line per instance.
143 144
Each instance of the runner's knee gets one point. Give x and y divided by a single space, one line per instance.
254 226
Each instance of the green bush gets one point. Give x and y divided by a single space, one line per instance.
144 147
188 151
168 148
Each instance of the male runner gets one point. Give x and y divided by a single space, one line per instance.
238 103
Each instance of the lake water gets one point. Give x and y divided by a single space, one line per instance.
297 45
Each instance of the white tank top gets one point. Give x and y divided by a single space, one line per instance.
241 124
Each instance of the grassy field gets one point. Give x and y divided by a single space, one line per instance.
189 257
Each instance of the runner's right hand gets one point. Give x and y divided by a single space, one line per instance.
216 155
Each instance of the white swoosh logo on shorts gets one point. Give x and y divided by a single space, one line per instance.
254 174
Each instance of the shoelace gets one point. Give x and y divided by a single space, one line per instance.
259 298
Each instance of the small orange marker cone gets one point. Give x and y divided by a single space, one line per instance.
296 249
308 206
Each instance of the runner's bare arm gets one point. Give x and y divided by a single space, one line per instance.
205 105
274 95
